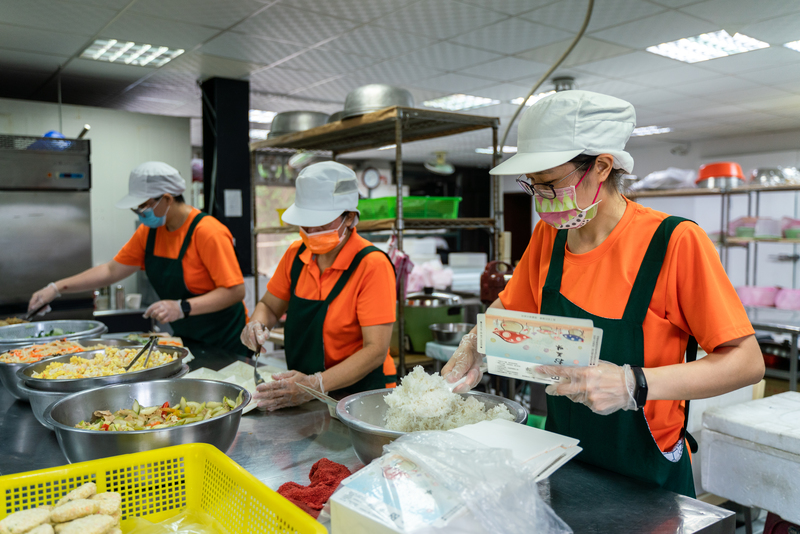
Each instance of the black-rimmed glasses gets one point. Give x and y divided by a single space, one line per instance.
139 210
547 190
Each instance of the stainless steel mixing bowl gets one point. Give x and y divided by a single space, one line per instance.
450 333
8 371
82 445
363 414
374 97
296 121
20 335
41 400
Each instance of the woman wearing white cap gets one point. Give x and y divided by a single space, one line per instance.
188 257
653 283
338 294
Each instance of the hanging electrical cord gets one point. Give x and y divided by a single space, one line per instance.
547 74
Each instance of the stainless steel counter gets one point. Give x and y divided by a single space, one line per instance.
779 322
282 447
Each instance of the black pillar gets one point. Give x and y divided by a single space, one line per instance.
226 161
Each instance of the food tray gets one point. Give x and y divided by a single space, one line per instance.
161 483
19 335
80 384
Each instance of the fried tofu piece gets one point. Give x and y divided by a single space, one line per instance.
25 520
42 529
74 510
83 492
91 524
110 502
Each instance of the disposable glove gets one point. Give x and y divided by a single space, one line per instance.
254 335
46 295
283 392
466 361
165 311
603 388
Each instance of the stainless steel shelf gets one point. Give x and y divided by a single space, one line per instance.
410 224
699 192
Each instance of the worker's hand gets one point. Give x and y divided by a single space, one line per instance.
254 335
283 393
604 388
165 311
466 361
46 295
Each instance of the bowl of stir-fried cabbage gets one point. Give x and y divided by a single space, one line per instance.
141 416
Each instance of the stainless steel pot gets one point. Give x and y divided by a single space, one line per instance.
296 121
724 183
363 415
41 400
336 117
426 308
374 97
767 177
21 335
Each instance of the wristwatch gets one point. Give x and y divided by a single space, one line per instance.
186 308
640 389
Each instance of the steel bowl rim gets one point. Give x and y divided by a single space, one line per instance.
99 328
131 345
438 327
56 424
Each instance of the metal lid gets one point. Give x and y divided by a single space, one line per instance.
429 298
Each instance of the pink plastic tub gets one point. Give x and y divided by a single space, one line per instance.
757 295
788 299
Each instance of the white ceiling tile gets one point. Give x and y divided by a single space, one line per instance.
439 19
569 14
772 75
44 41
618 88
792 87
294 25
395 72
64 17
505 92
714 87
511 36
211 13
672 77
756 97
778 30
423 95
506 69
29 61
378 42
586 51
106 70
631 64
771 100
204 66
675 3
453 83
657 29
330 61
682 106
282 80
448 56
251 49
496 110
755 60
331 90
280 103
582 80
738 13
509 7
357 10
155 31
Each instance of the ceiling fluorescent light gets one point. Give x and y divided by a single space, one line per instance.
707 46
258 134
488 150
460 102
387 147
261 117
649 130
533 98
794 45
130 53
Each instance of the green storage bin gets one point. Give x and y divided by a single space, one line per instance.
378 208
745 231
431 207
792 233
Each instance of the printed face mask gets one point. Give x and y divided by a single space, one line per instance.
324 241
563 212
148 217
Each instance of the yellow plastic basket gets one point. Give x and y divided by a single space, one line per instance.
161 483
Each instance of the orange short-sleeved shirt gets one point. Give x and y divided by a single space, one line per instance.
369 298
210 261
693 295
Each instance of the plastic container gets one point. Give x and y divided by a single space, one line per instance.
161 483
413 208
746 231
377 208
767 229
792 233
788 299
757 295
472 260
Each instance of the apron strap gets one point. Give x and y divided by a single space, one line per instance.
189 234
345 276
691 355
645 284
553 280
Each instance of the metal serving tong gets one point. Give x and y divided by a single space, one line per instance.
31 314
256 374
147 347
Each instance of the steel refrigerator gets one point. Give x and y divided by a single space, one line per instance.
45 221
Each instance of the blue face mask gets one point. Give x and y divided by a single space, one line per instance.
149 219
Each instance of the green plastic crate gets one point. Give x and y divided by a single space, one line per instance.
378 208
413 208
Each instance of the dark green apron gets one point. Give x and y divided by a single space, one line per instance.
305 321
621 441
220 329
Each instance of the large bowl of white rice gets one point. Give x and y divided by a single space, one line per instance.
421 402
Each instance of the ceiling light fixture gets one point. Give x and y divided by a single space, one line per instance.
533 98
130 53
258 134
489 150
260 116
387 147
649 130
794 45
460 102
707 46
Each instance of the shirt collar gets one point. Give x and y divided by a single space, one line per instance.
345 257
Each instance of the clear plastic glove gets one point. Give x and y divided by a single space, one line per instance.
603 388
283 393
46 295
466 361
254 335
164 311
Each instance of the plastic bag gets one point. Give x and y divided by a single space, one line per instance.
430 274
670 178
186 522
429 482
